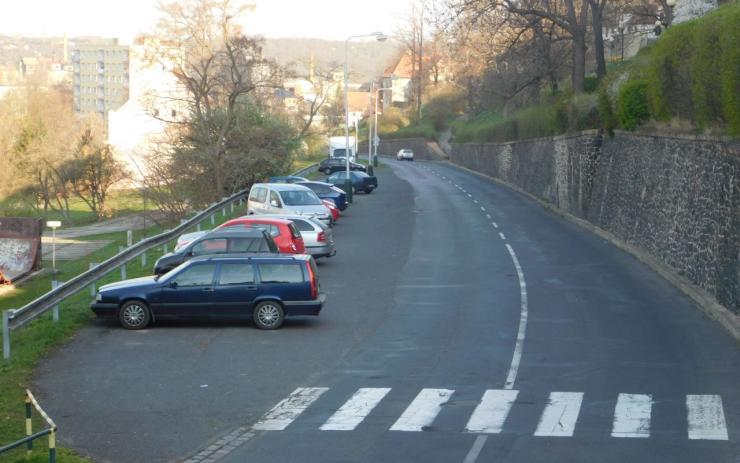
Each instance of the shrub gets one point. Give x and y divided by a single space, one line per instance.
444 105
633 104
590 84
606 112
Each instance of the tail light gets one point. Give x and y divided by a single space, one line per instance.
321 237
312 279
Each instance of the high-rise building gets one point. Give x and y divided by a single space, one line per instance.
100 69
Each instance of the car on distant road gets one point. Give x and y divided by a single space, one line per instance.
285 233
360 181
264 288
405 155
331 165
279 198
317 237
218 242
287 179
328 191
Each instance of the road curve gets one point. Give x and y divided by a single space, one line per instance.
465 323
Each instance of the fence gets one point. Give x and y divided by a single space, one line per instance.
51 431
16 318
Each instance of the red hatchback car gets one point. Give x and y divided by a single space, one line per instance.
286 235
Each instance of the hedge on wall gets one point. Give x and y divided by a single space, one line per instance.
633 107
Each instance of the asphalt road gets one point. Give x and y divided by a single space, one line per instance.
464 323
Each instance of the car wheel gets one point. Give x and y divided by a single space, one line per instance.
269 315
134 315
326 171
368 191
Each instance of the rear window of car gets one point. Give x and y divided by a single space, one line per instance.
303 225
280 273
322 189
212 246
248 245
236 273
294 232
258 194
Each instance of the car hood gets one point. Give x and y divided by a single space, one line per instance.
134 282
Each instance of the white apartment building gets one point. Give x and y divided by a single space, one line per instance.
100 75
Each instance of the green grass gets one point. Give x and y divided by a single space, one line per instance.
302 162
120 202
40 338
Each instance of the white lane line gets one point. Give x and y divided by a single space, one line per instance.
706 417
289 408
475 449
632 415
495 225
490 414
488 216
521 334
469 195
483 209
457 186
560 415
475 201
503 237
423 410
355 409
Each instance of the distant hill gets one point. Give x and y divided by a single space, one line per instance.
366 59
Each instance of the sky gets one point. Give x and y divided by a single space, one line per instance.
124 19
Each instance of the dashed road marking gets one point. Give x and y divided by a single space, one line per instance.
488 216
490 414
632 415
355 409
503 237
483 209
495 225
289 408
706 417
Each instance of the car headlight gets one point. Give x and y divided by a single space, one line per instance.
98 297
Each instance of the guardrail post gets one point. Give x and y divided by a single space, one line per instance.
213 219
143 259
123 272
164 248
92 286
223 211
55 309
53 446
6 334
129 238
240 201
29 425
197 227
231 205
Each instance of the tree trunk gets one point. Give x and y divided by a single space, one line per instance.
579 60
597 21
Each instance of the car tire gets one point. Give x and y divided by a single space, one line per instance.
134 315
326 171
268 315
368 191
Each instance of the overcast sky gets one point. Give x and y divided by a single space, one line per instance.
327 19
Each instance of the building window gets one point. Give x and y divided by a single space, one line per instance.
174 113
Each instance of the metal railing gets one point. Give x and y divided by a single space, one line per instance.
13 319
51 431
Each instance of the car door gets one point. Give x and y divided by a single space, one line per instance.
235 290
189 293
274 205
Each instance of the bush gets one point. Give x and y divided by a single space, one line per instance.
443 106
606 112
633 104
590 84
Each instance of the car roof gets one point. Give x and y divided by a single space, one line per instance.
283 186
260 218
314 183
290 217
237 233
251 256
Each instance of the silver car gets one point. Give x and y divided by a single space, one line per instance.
286 199
317 237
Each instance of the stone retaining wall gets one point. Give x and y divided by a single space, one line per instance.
677 198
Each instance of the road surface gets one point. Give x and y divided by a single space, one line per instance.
464 323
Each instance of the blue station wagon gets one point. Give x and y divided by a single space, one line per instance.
264 288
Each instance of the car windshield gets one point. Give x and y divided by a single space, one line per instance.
300 198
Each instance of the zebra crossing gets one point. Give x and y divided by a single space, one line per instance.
705 417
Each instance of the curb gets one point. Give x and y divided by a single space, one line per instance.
706 302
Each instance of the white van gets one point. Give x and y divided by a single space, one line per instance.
286 198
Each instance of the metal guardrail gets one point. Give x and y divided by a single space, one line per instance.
51 431
16 318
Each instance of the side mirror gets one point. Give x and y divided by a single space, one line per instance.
274 203
173 284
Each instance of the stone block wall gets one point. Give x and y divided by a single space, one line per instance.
675 197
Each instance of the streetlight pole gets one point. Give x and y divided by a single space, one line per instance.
380 37
375 145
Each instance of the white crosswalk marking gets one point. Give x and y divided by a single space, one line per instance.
423 410
560 415
289 408
490 414
355 409
706 417
632 415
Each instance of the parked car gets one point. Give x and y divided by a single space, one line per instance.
287 179
405 155
317 237
333 209
218 242
278 198
285 233
331 165
265 288
186 238
328 191
360 181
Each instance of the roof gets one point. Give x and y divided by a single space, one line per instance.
267 220
234 232
359 101
282 186
250 255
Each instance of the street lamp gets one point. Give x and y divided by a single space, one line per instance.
375 138
380 37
